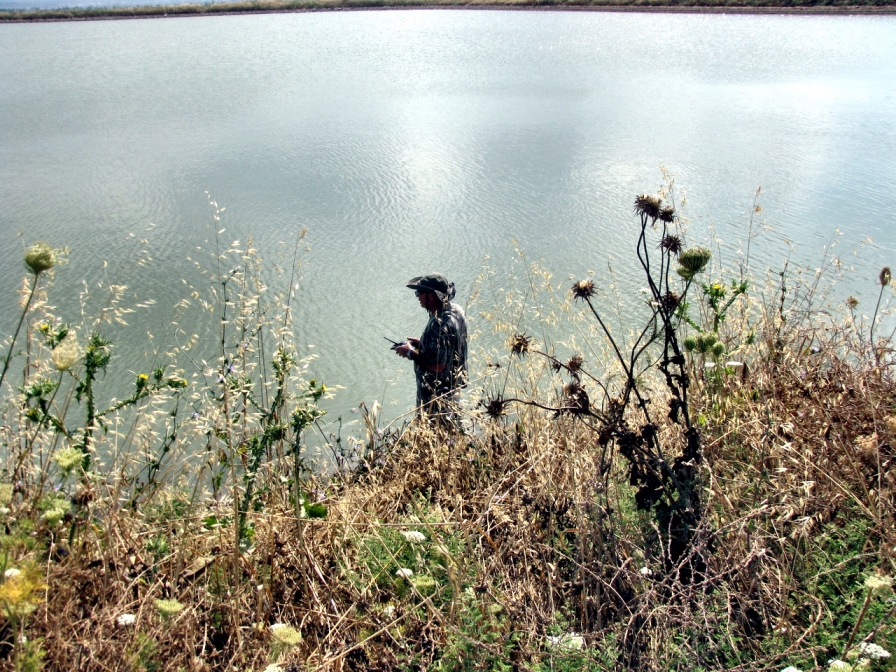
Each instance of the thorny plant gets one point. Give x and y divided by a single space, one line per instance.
509 544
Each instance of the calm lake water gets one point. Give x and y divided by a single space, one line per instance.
408 141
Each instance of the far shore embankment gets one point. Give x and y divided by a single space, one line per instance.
284 6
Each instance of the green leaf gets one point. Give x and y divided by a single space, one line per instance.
316 510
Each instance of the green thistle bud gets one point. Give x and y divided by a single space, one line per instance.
710 340
40 257
718 349
700 344
690 344
692 261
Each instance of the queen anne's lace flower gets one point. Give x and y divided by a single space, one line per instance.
66 353
126 620
791 668
404 573
868 650
879 585
285 634
168 608
68 458
40 257
12 573
414 537
569 641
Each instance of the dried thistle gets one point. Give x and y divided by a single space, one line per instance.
669 302
583 289
667 214
671 243
649 206
496 407
575 363
520 344
576 398
885 276
852 302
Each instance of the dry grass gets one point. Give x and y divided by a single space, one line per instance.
534 555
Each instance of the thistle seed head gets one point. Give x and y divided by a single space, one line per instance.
885 276
575 363
852 302
667 214
583 289
649 206
669 301
495 408
520 344
671 243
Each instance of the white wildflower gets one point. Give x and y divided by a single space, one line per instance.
389 610
569 641
126 620
68 458
285 634
414 537
839 666
53 517
645 571
868 650
12 573
67 353
879 585
791 668
273 668
4 511
168 608
404 573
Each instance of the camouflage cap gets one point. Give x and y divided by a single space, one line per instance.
434 282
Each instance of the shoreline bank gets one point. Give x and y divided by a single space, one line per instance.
277 7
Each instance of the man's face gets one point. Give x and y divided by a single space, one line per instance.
428 300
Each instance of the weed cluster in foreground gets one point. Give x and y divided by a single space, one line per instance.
714 490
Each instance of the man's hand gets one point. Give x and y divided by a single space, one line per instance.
415 342
403 349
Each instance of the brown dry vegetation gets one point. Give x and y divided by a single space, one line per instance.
531 552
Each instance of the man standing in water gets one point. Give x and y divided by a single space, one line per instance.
440 354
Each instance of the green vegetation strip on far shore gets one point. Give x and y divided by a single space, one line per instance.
313 5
